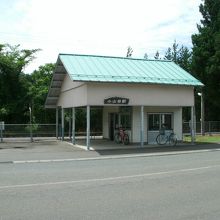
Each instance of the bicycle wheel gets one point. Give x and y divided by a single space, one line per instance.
126 139
173 139
161 139
117 138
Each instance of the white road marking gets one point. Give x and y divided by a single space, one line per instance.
115 157
110 178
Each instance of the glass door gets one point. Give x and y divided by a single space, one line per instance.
120 119
113 125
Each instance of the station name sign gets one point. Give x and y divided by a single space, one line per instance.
116 100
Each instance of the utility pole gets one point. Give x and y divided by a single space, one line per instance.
202 113
31 133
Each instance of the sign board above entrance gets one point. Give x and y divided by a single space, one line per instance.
116 100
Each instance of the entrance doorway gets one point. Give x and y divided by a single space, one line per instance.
120 119
113 125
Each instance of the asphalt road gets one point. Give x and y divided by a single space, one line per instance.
184 186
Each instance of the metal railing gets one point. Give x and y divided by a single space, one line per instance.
32 132
210 127
27 131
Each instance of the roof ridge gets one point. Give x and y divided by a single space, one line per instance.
115 57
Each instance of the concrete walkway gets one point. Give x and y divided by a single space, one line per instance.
53 150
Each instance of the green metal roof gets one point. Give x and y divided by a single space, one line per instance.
118 69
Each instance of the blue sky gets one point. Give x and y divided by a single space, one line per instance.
102 27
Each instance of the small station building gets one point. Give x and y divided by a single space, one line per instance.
137 94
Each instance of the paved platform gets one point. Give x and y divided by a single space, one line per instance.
49 150
104 144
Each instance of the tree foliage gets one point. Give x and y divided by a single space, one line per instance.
19 91
39 84
206 56
157 55
13 84
180 55
145 56
129 52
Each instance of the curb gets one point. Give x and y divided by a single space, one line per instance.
3 162
109 157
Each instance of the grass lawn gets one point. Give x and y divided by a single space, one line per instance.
203 139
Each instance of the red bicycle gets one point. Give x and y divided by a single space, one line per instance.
121 137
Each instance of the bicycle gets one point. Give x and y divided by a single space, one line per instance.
121 137
162 138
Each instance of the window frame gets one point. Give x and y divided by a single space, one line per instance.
161 120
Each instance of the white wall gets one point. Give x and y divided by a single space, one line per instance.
178 121
69 84
136 117
75 94
177 118
141 94
72 93
136 122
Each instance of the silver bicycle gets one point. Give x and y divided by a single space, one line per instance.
166 137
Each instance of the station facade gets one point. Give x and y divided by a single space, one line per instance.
136 94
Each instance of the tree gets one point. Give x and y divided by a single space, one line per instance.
168 54
145 56
129 52
184 59
206 56
13 84
181 56
175 52
39 85
157 55
172 54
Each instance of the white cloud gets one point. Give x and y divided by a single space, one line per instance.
100 26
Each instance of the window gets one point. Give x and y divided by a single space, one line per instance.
125 117
167 121
155 121
126 121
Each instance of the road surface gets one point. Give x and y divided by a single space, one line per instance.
184 186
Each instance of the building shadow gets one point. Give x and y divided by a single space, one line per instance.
160 149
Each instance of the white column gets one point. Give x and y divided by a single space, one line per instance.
142 127
57 121
62 124
73 126
192 125
88 127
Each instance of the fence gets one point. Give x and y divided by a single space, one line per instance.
27 131
210 127
34 131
